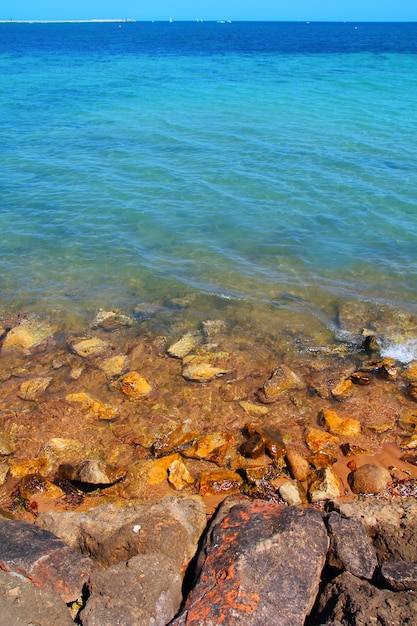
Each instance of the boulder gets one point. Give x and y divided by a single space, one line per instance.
369 478
36 554
350 547
400 576
260 564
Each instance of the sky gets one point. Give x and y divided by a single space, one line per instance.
279 10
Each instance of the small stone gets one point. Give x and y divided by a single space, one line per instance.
281 380
401 576
111 321
115 365
369 478
216 482
88 348
28 334
31 389
254 447
273 444
34 485
5 446
95 408
325 485
91 471
388 372
412 390
342 389
184 346
212 327
349 449
135 386
318 440
212 447
293 493
409 420
175 437
178 475
202 372
345 427
361 378
410 372
253 409
410 443
320 460
299 467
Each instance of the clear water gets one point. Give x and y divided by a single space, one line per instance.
267 163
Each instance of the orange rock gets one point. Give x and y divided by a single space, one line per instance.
215 482
135 386
318 440
94 407
345 427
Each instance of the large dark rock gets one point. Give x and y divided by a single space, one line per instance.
400 576
43 559
144 591
349 601
350 547
261 564
22 603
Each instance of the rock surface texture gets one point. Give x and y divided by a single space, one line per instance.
257 562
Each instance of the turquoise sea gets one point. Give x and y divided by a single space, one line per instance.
261 167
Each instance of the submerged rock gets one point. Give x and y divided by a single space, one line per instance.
31 389
34 485
135 386
28 334
96 409
202 372
319 441
345 427
88 348
215 482
281 380
185 345
212 447
91 471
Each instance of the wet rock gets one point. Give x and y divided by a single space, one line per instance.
144 311
115 593
400 576
349 449
111 321
171 527
31 389
23 603
58 449
410 443
408 420
370 478
361 378
215 482
211 328
342 389
412 390
345 427
34 485
4 470
39 465
254 447
176 437
410 372
6 447
212 447
388 372
115 365
91 471
253 409
320 460
319 440
281 380
178 475
95 409
44 559
135 386
28 334
350 548
351 601
88 348
324 485
299 466
185 345
293 493
261 564
273 443
202 372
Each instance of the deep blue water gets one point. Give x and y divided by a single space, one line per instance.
147 160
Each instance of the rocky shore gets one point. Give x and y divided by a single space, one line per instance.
207 474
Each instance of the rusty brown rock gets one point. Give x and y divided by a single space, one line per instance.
370 478
361 378
319 440
174 438
31 389
91 471
254 447
34 485
215 482
343 426
135 386
299 466
342 389
273 442
261 564
42 558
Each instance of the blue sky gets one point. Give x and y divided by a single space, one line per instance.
327 10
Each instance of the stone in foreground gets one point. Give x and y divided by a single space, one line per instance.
261 564
44 559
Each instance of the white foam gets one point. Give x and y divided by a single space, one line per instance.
403 352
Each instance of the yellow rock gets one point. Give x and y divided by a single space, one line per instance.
135 386
89 347
178 475
202 372
28 334
342 389
184 346
345 427
115 365
31 389
204 446
318 440
253 409
410 443
30 466
216 482
410 373
94 408
158 469
34 485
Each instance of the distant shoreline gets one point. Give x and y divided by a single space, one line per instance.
117 20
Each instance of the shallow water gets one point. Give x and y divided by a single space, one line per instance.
267 170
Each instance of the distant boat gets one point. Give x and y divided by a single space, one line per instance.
170 20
